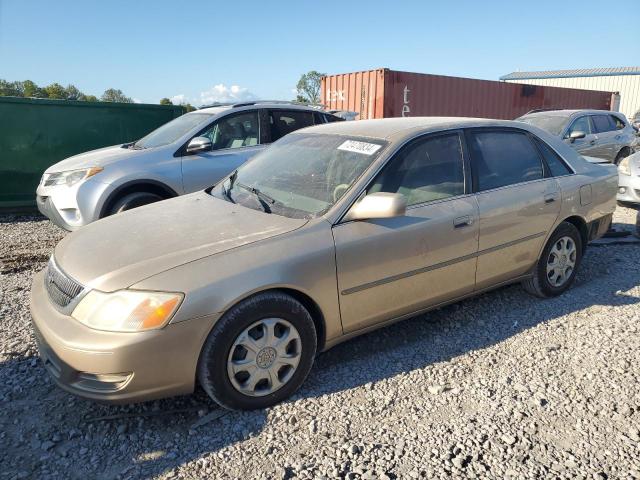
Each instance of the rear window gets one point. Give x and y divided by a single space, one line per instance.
502 158
287 121
603 123
556 164
617 121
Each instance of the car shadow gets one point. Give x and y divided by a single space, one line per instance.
48 430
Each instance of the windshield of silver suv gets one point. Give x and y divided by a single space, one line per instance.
554 124
301 175
172 131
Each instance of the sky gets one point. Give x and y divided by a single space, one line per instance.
205 51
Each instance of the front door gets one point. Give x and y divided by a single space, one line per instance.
587 145
518 203
391 267
235 139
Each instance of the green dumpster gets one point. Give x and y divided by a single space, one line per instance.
36 133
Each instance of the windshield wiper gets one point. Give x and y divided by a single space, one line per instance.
265 200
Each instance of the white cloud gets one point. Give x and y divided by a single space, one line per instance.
137 100
223 94
179 99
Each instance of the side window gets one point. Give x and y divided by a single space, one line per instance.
602 123
582 124
287 121
425 170
502 158
318 118
234 131
555 163
333 118
617 121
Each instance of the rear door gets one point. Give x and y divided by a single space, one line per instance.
518 202
606 143
235 139
395 266
587 145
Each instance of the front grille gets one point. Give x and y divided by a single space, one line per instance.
61 288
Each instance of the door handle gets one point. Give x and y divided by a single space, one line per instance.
463 221
550 198
592 142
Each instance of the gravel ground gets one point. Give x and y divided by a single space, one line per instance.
503 385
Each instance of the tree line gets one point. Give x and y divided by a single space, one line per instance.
28 88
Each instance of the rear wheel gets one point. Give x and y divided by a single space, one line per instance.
556 269
133 200
624 153
259 353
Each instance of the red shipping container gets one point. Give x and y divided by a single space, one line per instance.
385 93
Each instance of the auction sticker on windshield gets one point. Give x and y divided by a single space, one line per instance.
359 147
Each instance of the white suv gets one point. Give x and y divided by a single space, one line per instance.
187 154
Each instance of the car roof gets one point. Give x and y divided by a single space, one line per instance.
566 113
249 105
396 129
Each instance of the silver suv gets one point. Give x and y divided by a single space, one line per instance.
594 133
187 154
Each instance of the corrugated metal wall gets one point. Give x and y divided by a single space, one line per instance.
361 92
627 85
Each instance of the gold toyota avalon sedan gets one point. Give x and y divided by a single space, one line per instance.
332 231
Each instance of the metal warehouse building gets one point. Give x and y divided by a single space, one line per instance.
624 80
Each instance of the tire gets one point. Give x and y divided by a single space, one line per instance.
222 353
638 223
133 200
545 283
621 154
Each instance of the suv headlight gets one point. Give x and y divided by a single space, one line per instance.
70 177
624 167
127 310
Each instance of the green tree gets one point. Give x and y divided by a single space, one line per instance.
10 89
90 98
308 87
55 90
72 93
31 89
113 95
188 107
165 101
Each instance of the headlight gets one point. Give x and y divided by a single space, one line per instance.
70 177
624 167
127 310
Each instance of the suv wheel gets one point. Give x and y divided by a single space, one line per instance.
556 269
624 153
259 353
133 200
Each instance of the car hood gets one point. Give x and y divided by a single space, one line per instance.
126 248
95 158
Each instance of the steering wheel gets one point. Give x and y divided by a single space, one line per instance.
339 191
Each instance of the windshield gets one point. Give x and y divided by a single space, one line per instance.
301 175
554 124
172 131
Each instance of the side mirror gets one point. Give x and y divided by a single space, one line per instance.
378 205
199 144
573 136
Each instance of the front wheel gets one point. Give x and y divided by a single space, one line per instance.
133 200
259 353
556 269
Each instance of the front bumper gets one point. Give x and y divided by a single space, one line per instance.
116 367
629 190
